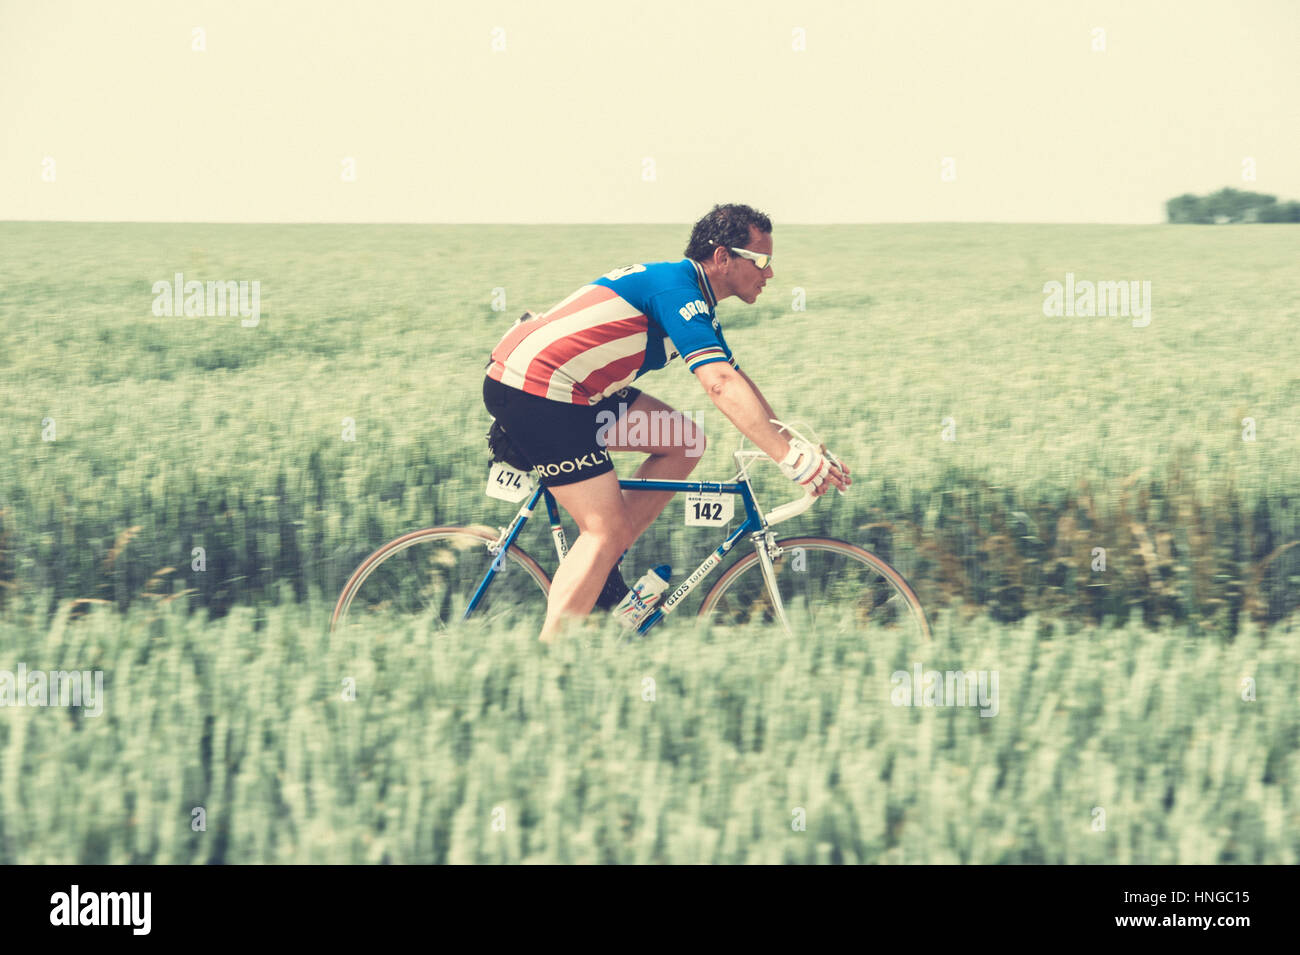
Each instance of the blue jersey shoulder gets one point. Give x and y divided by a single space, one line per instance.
640 284
672 295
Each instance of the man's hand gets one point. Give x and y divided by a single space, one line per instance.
843 468
807 466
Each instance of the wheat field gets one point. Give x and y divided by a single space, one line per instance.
1103 514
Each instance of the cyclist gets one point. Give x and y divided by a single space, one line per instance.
556 381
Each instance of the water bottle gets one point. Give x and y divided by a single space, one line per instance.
643 597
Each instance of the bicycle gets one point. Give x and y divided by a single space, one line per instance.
449 571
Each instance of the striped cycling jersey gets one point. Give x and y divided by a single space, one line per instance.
612 331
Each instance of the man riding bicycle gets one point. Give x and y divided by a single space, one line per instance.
554 383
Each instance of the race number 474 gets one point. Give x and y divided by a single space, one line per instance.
508 484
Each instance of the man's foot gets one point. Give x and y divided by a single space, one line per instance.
614 591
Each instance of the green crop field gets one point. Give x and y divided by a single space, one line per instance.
1105 513
1068 434
1117 746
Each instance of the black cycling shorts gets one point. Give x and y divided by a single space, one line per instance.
557 438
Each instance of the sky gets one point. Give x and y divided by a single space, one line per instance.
569 111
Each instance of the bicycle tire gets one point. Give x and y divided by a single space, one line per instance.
740 592
435 578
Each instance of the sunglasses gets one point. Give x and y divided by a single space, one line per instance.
761 259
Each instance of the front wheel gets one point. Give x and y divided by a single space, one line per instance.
819 578
434 573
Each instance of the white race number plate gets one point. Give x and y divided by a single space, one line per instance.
508 484
709 510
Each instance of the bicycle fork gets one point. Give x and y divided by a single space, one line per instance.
764 546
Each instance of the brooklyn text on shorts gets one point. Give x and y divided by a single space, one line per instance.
570 465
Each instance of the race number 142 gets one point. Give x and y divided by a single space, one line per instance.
709 510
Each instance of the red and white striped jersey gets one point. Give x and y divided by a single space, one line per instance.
610 332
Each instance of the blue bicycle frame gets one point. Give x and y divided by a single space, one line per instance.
752 524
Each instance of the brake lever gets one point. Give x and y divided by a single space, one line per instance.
835 461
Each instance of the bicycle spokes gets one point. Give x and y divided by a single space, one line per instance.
821 581
434 574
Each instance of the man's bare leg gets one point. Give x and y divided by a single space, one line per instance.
609 520
672 457
604 532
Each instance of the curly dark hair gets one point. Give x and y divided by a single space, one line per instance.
724 225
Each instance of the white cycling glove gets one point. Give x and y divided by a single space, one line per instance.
805 465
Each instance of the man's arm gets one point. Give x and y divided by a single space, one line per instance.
745 407
767 408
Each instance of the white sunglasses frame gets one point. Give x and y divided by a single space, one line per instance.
752 256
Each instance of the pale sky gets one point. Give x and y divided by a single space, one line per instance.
562 125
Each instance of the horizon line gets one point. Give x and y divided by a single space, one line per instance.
553 224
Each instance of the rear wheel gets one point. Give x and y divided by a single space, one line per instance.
819 578
434 572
